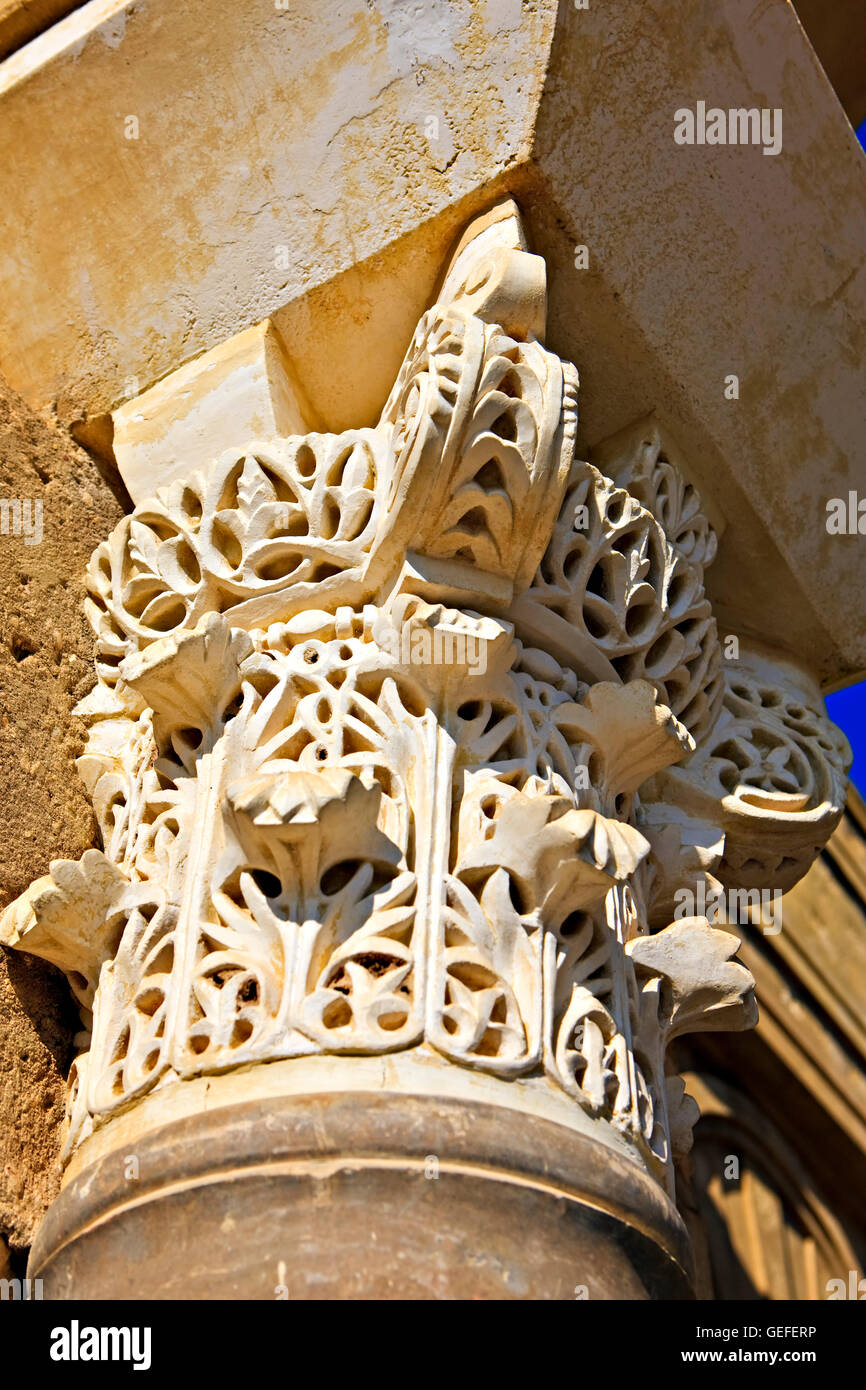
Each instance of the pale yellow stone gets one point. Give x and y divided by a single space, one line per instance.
239 391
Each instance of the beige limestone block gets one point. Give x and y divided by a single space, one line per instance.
274 149
22 20
239 391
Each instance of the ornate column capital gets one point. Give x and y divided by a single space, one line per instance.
410 739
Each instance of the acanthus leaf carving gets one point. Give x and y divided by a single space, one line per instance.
66 918
703 988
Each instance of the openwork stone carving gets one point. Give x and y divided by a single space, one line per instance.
406 737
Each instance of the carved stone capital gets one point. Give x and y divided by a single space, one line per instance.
406 739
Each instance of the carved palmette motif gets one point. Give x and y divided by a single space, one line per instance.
406 737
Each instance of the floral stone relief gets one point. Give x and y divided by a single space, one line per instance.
406 737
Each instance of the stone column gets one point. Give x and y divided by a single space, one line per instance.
424 791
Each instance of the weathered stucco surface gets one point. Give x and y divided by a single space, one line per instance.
45 666
257 128
706 261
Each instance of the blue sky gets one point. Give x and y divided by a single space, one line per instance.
847 708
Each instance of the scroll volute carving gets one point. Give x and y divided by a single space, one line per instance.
407 737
